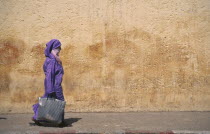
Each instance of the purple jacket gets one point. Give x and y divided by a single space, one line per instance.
53 77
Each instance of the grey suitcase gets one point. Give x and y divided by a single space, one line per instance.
51 110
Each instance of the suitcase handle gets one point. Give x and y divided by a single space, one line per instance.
49 97
53 97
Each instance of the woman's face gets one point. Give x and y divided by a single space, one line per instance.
56 51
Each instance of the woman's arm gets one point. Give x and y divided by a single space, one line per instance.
50 77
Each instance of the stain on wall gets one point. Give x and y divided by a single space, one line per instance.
10 50
117 55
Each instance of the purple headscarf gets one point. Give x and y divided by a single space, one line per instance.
52 44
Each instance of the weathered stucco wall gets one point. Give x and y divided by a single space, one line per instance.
118 55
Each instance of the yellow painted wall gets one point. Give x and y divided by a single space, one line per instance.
118 55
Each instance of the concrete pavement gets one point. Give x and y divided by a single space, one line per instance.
130 122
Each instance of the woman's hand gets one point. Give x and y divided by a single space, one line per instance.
52 95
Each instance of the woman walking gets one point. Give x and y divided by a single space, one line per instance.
53 70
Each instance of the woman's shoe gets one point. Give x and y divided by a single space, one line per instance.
36 122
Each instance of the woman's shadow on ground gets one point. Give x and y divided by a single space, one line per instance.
67 123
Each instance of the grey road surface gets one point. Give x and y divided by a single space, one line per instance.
130 122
